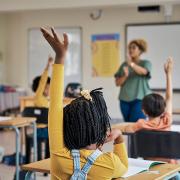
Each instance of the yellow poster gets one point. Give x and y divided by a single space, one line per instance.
105 55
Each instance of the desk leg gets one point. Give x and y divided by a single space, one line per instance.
35 140
17 151
28 175
35 144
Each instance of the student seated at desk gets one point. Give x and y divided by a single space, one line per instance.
157 109
77 132
41 87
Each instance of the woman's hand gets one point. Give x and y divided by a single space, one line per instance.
115 135
60 47
126 71
168 66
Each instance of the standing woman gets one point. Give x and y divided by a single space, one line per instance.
133 77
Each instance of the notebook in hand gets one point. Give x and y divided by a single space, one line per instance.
139 165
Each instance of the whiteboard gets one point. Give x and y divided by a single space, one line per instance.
39 50
163 41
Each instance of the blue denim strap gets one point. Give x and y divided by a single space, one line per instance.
79 174
90 161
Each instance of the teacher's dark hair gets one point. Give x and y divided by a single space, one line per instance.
153 105
86 122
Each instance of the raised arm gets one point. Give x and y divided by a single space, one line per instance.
168 71
121 158
44 77
55 119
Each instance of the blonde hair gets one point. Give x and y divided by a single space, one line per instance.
141 43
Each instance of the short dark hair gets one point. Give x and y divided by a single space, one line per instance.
36 81
153 105
86 122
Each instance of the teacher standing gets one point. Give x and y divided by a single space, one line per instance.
133 77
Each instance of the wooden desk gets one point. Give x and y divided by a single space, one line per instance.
16 123
42 166
176 111
165 171
26 101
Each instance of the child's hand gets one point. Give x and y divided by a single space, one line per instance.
57 45
114 135
126 71
168 66
50 62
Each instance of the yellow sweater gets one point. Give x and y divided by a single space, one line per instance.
40 99
107 166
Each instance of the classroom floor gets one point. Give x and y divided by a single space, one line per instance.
7 140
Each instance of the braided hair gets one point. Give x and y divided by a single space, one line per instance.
86 122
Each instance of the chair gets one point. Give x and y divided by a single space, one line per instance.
41 115
164 144
73 90
26 101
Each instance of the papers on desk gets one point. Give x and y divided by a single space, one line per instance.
4 118
138 165
175 128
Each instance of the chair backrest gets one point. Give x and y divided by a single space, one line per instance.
40 113
157 144
73 90
26 101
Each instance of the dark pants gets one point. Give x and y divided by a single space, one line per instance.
132 111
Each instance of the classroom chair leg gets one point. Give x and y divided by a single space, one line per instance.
28 175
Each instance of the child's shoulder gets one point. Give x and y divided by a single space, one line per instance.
108 156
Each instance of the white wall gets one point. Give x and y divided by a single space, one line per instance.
3 48
113 20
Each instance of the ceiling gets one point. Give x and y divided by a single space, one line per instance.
19 5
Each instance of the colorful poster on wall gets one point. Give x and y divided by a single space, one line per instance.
105 54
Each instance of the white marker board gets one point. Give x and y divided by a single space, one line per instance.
39 50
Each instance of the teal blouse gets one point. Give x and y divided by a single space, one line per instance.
136 86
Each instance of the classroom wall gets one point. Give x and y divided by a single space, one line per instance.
3 48
112 21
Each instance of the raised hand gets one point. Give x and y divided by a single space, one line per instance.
168 66
60 47
50 62
129 60
126 71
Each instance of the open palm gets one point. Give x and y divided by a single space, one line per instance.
60 47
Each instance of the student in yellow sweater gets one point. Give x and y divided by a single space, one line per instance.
77 132
41 86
